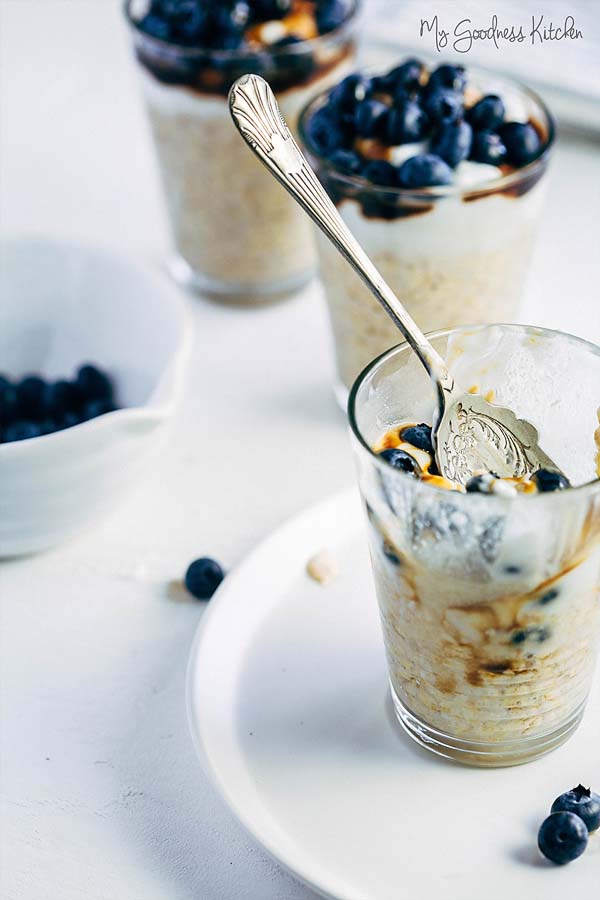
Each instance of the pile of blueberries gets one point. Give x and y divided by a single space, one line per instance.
404 106
419 436
563 836
221 24
32 406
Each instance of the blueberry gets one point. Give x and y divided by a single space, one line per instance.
96 408
347 161
203 577
30 396
522 142
419 436
583 802
381 172
156 27
446 76
424 170
562 837
267 10
345 95
487 147
453 142
69 419
399 459
9 402
369 118
60 396
94 384
324 132
20 431
403 79
194 23
487 113
406 122
548 480
331 14
480 484
443 105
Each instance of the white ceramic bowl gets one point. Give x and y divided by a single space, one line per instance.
62 305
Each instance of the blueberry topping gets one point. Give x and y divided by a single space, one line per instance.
345 95
60 396
381 173
20 431
347 161
331 14
399 459
96 408
444 105
9 401
522 142
324 132
480 484
203 577
487 113
548 480
424 170
406 122
267 10
447 76
487 147
94 384
583 802
156 27
419 436
562 837
369 118
403 79
453 142
30 396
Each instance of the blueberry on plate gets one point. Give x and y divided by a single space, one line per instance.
402 79
325 132
487 147
443 105
487 114
399 459
583 802
419 436
30 397
346 161
94 384
522 142
424 170
331 14
453 142
381 172
369 118
20 431
406 122
203 577
562 837
447 76
548 480
345 95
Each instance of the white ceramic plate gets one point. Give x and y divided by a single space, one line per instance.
287 698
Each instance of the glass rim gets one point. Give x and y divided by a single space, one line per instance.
241 53
438 191
428 487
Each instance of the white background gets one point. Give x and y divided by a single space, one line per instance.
102 794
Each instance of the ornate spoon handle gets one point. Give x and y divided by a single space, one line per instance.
255 112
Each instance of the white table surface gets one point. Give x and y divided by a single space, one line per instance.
102 793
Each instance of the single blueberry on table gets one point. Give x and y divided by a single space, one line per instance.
346 161
406 122
548 480
203 577
30 396
419 436
381 173
522 142
424 170
447 76
399 459
324 131
487 113
487 147
94 384
369 118
583 802
20 431
331 14
453 142
562 837
443 105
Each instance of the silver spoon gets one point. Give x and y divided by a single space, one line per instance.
469 434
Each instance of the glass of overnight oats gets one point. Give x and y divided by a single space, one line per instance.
489 595
440 176
236 233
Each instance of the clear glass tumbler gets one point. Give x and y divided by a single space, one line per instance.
453 254
490 606
237 234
